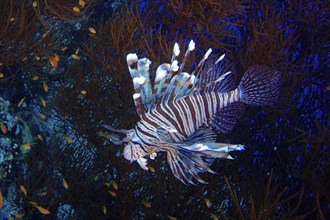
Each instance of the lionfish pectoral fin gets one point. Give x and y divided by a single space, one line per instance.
163 133
186 164
203 134
143 163
225 119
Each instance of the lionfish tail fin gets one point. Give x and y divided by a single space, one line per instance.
187 161
260 86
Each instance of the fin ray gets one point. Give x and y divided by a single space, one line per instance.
260 85
225 119
187 161
217 76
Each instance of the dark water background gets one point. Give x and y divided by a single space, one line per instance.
282 174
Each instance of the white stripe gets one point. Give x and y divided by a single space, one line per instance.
232 96
225 100
177 106
214 101
196 109
189 120
171 115
209 104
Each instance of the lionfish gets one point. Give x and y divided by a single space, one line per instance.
180 112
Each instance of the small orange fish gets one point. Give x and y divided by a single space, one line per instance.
34 4
65 184
3 128
75 56
42 116
68 139
76 9
82 3
35 77
23 190
40 137
214 216
101 134
207 202
19 215
37 58
42 193
151 169
43 210
2 75
77 51
0 200
112 193
171 217
21 102
46 88
115 185
147 204
27 146
92 30
43 102
54 60
33 203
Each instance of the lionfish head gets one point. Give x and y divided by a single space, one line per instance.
133 150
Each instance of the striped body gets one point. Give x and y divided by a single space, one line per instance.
185 115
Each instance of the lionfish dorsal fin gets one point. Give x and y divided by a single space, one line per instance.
177 79
171 82
143 96
216 76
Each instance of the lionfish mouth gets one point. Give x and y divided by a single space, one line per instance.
114 138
